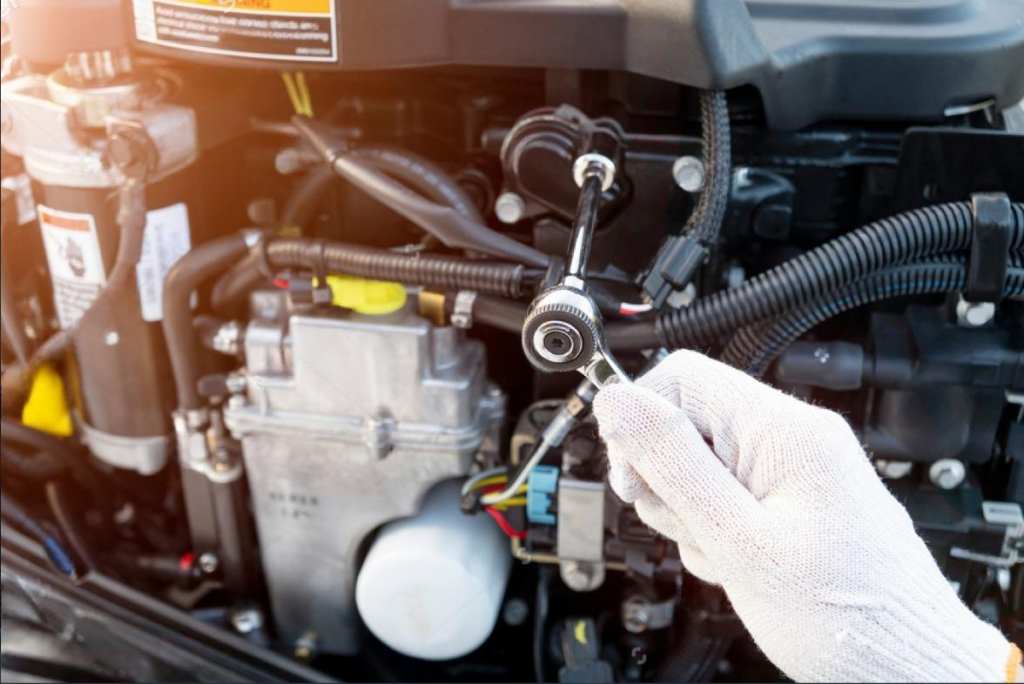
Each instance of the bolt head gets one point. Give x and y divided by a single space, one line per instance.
975 314
948 474
689 174
209 563
112 339
247 621
510 208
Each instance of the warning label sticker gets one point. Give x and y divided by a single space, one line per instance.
294 30
167 239
76 262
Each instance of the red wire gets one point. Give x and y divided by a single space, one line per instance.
504 524
282 283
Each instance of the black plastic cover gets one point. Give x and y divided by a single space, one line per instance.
812 60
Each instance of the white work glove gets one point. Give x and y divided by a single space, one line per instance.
776 501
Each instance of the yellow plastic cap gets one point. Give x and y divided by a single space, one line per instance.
47 407
371 297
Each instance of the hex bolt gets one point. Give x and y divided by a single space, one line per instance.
578 576
689 174
209 563
948 474
975 314
246 622
112 339
636 615
510 208
893 470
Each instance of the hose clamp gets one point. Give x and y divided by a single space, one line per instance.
462 315
990 248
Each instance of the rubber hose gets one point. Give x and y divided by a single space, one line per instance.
229 295
755 348
694 655
10 322
131 218
58 498
416 171
13 512
705 223
448 225
914 235
449 273
188 274
11 431
40 468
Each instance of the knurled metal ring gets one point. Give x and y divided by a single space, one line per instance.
570 337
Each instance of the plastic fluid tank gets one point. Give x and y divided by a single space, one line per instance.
432 586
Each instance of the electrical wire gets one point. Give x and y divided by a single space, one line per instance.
484 479
298 93
505 525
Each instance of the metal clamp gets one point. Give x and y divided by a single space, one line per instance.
462 315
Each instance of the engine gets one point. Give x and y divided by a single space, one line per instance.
305 306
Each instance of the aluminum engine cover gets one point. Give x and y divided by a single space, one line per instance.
346 424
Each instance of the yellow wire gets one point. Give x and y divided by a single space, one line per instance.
511 503
307 99
490 482
293 93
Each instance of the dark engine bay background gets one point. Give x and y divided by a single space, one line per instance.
194 484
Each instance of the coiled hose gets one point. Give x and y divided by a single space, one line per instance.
755 348
503 280
900 239
417 172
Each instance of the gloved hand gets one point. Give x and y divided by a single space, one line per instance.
776 501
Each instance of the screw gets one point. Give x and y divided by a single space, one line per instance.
246 622
510 208
636 615
112 339
209 563
689 174
894 470
975 314
577 576
948 474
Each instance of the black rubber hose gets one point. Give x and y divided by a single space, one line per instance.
40 468
10 322
17 433
230 295
705 223
188 274
914 235
755 348
131 218
13 512
58 497
449 226
417 172
449 273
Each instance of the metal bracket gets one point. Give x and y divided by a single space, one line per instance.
1011 516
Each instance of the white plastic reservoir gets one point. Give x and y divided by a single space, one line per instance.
432 586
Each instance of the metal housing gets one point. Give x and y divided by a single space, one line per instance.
346 424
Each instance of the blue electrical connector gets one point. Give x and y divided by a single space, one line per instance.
540 495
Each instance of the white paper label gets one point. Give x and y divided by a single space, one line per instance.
21 185
167 239
75 259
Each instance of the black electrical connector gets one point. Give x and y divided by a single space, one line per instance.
674 269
